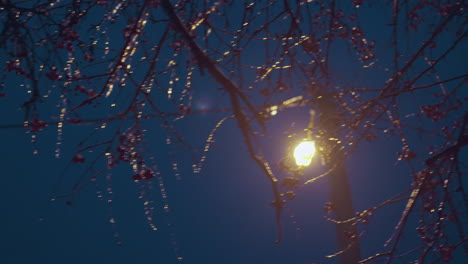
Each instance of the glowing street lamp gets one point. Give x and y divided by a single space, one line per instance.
304 152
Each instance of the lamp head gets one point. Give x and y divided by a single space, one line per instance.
304 152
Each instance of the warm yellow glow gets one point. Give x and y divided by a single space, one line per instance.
304 152
274 110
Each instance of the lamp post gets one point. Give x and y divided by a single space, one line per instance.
340 193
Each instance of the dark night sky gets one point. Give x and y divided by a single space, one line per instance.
221 215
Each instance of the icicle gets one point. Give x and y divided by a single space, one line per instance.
110 197
197 167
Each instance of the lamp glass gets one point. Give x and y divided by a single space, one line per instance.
304 152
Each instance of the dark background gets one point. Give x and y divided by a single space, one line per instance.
221 215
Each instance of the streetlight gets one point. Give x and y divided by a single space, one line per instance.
304 152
